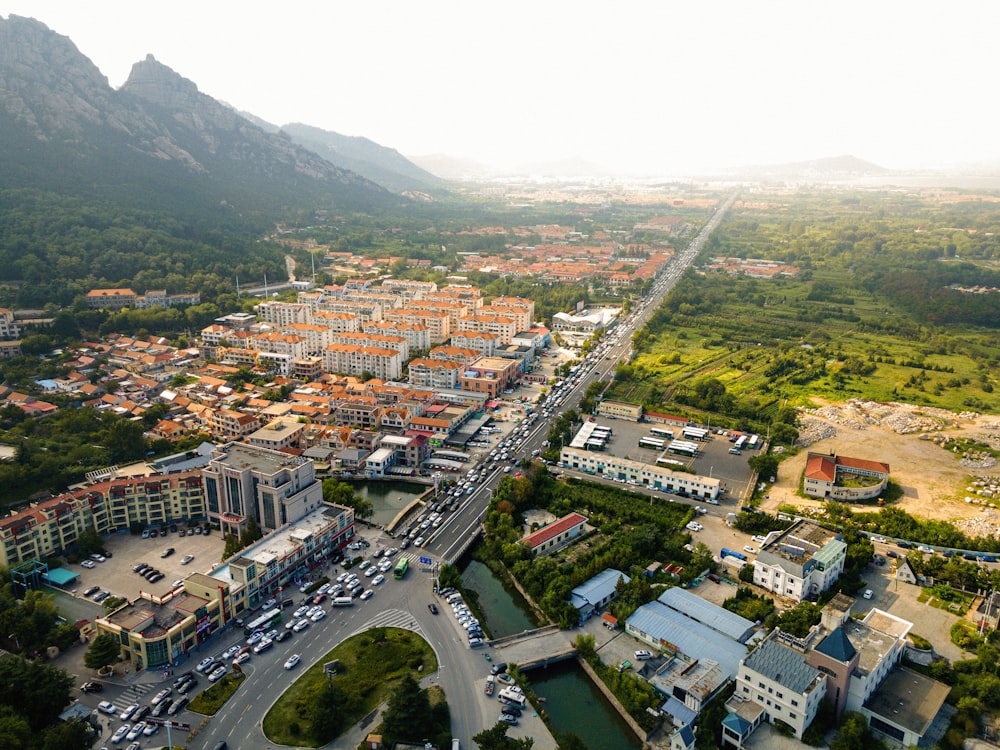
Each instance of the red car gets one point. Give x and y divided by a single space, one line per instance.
319 599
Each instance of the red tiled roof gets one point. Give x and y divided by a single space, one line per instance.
823 468
553 530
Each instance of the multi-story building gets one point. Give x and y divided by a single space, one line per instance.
519 303
8 328
157 631
292 345
825 477
381 363
227 425
284 313
111 299
418 337
434 373
281 433
647 475
410 288
364 310
490 375
520 315
244 481
436 321
502 327
454 310
803 561
358 414
458 354
51 527
408 450
317 337
481 341
338 322
377 340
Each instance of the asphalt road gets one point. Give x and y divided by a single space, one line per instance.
448 541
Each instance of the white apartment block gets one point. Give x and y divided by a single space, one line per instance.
520 315
520 302
380 341
284 313
409 288
503 328
438 322
365 311
338 322
468 297
460 354
434 373
317 337
384 364
803 561
280 343
647 475
8 328
418 337
454 310
481 341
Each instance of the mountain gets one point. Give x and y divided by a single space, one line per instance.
820 170
454 168
381 165
156 142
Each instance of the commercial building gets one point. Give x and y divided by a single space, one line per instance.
556 535
801 562
490 375
591 596
244 481
620 410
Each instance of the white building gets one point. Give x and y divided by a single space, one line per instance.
646 475
801 562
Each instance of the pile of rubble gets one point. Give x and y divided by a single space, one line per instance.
903 419
812 430
982 525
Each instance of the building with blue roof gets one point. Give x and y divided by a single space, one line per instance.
591 596
712 615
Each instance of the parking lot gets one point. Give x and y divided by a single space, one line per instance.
116 575
713 460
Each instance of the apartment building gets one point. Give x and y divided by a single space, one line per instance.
338 322
480 341
8 328
111 299
467 296
522 303
434 374
364 416
502 327
51 527
409 288
244 481
438 322
384 364
317 337
454 310
462 355
418 337
228 425
377 340
290 345
281 433
365 311
284 313
522 316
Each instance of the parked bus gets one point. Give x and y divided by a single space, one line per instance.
452 456
753 441
669 462
401 567
650 442
683 447
594 444
661 432
267 620
695 433
740 442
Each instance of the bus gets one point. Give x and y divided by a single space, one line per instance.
740 442
452 456
661 432
683 447
267 620
752 443
695 433
401 567
649 442
669 462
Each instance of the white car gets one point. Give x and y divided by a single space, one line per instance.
263 646
378 579
300 612
372 571
218 673
136 730
301 625
367 595
158 698
119 735
106 707
292 660
230 652
127 713
206 662
88 563
418 542
748 548
869 594
317 616
150 730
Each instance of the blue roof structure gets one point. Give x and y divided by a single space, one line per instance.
837 646
671 629
598 588
783 664
682 715
738 724
60 576
691 605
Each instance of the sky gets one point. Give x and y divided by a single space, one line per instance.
659 87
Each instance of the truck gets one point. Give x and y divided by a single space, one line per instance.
726 552
490 684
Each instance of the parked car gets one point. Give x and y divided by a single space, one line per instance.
205 663
127 713
217 674
88 563
167 552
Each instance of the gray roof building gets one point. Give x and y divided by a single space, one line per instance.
700 610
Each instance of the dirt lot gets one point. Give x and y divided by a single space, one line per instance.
934 481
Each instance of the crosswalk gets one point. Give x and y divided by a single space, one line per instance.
391 618
132 694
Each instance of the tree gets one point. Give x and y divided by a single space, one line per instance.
232 546
103 650
342 493
90 542
124 440
407 712
251 533
854 734
36 691
449 575
74 734
495 738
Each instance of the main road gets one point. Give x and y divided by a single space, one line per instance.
454 535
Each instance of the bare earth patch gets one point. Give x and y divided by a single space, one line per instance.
934 481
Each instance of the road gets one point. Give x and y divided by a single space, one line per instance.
450 539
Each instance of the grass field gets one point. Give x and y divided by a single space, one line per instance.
371 663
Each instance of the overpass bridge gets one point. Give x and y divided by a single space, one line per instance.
535 648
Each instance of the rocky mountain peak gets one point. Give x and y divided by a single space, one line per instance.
154 82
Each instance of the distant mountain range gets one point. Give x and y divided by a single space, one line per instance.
159 142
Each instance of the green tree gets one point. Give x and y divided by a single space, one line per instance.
90 542
407 712
449 575
251 533
854 734
36 691
125 440
74 734
495 738
103 650
342 493
231 547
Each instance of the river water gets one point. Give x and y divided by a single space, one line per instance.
387 498
573 703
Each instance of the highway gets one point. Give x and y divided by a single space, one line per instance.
453 536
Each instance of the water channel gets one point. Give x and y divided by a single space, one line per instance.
388 498
573 703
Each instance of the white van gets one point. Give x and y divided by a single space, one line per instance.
343 601
456 745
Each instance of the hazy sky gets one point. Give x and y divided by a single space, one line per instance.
648 87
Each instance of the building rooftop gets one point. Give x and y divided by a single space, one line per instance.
722 620
800 542
782 664
909 700
553 529
263 460
599 587
873 643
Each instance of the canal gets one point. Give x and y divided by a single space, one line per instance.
387 498
573 703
